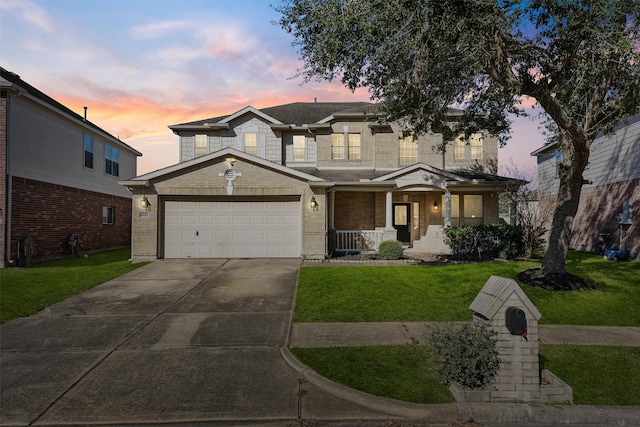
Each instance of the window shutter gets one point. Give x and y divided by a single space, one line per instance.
262 145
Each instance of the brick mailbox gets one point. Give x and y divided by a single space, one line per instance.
504 307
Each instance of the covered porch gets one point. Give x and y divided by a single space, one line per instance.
412 206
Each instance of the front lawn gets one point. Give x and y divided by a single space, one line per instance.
599 375
26 291
442 293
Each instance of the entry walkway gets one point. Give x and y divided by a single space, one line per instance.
397 333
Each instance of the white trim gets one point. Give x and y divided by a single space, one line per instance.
250 109
226 152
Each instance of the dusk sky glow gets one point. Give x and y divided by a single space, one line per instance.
142 65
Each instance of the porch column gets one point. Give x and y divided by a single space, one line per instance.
389 211
332 209
447 209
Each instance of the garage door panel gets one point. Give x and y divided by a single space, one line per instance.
232 229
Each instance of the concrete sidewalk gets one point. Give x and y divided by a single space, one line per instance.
397 333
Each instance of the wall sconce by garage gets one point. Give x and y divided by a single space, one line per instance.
145 203
314 203
435 205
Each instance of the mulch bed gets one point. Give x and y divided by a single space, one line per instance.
554 282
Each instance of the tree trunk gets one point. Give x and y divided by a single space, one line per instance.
575 158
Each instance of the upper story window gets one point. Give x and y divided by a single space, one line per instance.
476 143
299 148
111 160
202 145
407 149
251 143
88 151
352 141
337 146
459 145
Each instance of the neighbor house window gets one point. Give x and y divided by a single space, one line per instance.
407 149
108 214
473 206
476 143
251 143
459 148
88 151
299 148
354 146
202 145
111 160
337 146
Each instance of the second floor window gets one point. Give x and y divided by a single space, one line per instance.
459 145
111 160
202 145
407 149
352 142
299 148
354 146
337 146
251 143
476 143
88 151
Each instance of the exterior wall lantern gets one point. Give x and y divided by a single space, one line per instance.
145 203
435 206
314 203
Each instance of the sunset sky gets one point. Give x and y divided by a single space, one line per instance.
141 65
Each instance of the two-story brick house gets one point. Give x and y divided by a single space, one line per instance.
59 177
310 179
611 189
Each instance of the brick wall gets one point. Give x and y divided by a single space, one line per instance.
50 213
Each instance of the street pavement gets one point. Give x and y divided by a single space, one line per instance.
183 342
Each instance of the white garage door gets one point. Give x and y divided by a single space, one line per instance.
232 229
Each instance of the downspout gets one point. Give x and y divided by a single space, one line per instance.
9 181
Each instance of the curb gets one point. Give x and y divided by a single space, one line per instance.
492 413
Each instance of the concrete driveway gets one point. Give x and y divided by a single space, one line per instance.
174 341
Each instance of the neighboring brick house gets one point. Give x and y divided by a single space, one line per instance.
310 180
611 190
59 177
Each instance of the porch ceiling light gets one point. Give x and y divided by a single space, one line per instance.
314 203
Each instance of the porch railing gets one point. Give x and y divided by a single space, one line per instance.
356 241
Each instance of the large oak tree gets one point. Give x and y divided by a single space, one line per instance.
578 60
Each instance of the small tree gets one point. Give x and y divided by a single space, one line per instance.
524 208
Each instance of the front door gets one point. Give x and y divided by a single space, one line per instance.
402 221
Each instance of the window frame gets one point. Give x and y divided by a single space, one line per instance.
459 148
108 215
295 154
337 146
254 143
407 144
88 139
476 146
111 160
200 149
468 204
354 151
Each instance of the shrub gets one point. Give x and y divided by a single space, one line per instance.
390 249
487 240
466 354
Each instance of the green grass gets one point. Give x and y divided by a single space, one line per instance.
599 375
27 291
402 372
439 293
397 372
